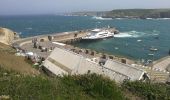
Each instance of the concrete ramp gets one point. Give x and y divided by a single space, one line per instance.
162 64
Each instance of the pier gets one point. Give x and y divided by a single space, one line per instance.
50 41
65 37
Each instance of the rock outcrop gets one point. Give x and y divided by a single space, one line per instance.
6 36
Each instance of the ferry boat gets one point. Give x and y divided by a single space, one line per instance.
97 34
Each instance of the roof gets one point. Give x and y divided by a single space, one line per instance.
132 72
62 61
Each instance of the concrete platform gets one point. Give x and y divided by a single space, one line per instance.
162 63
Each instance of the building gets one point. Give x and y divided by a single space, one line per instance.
63 61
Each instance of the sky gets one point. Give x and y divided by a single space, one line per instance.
26 7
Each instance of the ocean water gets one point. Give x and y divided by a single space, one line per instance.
135 38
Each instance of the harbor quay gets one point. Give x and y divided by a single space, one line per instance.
36 44
57 55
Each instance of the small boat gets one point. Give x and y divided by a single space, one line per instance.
153 49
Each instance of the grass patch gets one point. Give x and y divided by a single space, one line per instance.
11 62
94 86
149 91
82 87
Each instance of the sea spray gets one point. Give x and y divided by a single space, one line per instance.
101 18
135 34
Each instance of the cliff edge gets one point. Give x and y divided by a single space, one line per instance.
6 36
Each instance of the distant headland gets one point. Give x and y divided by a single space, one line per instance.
128 13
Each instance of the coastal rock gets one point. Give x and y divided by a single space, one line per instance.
6 36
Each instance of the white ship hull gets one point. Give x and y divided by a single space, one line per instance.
98 34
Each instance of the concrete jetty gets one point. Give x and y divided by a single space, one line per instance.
47 41
66 37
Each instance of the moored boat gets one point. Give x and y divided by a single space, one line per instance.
153 49
98 34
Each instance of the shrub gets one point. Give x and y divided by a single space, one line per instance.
151 91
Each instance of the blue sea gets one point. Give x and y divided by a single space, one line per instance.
135 38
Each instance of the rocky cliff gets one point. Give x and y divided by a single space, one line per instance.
139 13
129 13
6 36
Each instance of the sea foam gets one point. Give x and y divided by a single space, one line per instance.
134 34
101 18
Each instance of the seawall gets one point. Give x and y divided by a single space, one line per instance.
64 37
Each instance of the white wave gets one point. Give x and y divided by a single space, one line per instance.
134 34
120 18
165 18
149 18
139 40
122 35
158 18
101 18
130 34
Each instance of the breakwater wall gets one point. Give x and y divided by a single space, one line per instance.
64 37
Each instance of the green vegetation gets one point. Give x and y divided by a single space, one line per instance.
82 87
9 61
140 13
149 91
92 87
130 13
